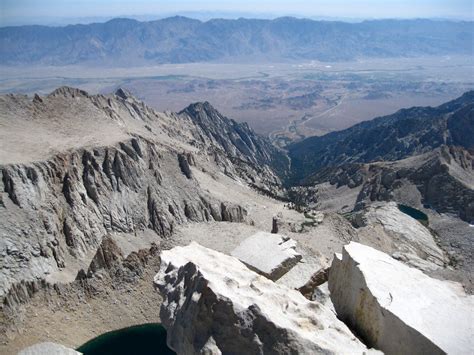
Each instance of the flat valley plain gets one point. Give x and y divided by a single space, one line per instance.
286 101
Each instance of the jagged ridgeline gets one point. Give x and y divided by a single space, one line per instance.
420 155
76 167
406 133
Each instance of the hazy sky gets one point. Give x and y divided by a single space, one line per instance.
41 10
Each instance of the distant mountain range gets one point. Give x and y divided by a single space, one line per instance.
122 42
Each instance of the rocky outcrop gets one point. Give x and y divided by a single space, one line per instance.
21 292
404 237
213 304
108 255
398 309
239 142
276 222
61 198
184 166
109 263
232 213
444 180
270 255
48 348
67 204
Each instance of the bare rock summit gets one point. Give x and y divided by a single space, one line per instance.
213 304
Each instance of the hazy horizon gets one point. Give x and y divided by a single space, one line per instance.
26 12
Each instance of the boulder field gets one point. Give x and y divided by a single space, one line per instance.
213 303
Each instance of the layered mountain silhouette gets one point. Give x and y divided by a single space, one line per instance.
420 156
180 40
406 133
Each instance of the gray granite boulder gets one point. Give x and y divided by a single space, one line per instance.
271 255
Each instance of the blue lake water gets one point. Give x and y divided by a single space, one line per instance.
145 339
413 212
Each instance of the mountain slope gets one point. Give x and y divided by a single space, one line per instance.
76 167
122 42
406 133
236 139
93 187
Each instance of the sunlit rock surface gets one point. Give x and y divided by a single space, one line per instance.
408 239
399 309
48 348
212 303
271 255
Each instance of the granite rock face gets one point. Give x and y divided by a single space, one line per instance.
73 184
398 309
236 139
271 255
406 238
48 348
71 201
443 179
213 304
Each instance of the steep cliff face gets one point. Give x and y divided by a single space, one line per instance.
239 142
60 209
442 180
398 309
236 139
103 165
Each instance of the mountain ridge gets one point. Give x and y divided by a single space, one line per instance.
177 39
117 166
407 132
94 186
